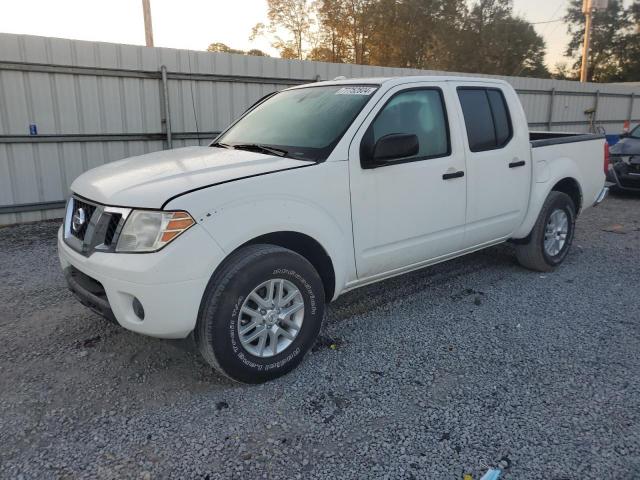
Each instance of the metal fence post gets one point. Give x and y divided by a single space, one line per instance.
166 112
595 107
630 115
551 106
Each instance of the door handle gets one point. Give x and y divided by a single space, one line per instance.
449 176
517 163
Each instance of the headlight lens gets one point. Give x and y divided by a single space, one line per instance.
148 231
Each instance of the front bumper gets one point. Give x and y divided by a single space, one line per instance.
169 284
89 292
623 178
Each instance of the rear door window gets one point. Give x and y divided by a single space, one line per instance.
486 117
500 117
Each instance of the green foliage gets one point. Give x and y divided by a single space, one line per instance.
254 52
496 42
565 72
223 48
615 41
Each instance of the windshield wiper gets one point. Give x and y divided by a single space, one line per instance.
256 147
222 145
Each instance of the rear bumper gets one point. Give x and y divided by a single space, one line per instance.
601 196
169 284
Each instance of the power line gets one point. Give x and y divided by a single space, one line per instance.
547 21
544 31
553 15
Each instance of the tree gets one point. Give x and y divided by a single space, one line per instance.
417 33
254 52
497 42
427 34
331 43
564 72
385 32
322 54
223 48
292 16
629 50
615 41
358 27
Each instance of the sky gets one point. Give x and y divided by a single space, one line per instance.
194 24
554 34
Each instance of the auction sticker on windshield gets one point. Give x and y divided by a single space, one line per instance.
356 91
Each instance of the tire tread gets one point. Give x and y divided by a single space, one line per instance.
530 254
216 288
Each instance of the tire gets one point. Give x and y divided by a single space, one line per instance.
532 254
233 290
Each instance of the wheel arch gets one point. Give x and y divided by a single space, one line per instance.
564 177
571 187
303 245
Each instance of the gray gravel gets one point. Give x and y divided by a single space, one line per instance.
430 375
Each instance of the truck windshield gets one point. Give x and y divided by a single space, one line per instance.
304 123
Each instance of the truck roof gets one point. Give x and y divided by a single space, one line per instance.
392 81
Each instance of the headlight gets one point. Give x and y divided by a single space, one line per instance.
148 231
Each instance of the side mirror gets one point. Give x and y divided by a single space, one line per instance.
623 135
391 147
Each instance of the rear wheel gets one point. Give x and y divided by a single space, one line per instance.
549 241
260 313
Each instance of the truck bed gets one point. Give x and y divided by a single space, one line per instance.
544 139
583 154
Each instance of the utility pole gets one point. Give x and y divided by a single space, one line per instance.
148 26
589 7
587 10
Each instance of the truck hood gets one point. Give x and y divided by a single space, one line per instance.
626 146
148 181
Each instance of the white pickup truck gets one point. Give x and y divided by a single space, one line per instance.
314 191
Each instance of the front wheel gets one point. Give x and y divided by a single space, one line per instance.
260 313
549 241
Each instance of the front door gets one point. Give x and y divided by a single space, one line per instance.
410 209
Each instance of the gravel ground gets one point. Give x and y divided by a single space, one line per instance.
430 375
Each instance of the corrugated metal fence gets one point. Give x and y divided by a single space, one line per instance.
67 106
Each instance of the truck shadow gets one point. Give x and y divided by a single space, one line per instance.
374 296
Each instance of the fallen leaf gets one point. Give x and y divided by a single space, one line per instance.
615 228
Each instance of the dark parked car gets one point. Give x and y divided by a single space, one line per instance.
625 162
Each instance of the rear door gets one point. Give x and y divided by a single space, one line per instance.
498 161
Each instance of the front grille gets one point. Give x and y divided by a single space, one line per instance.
112 227
630 181
90 226
81 217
